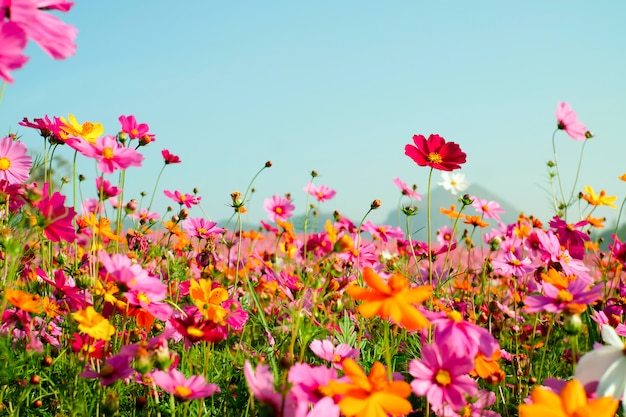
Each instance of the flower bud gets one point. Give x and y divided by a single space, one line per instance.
268 164
573 324
376 204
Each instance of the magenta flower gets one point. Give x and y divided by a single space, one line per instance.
509 264
105 189
307 386
321 194
187 200
442 376
14 163
557 299
488 209
261 383
201 228
383 233
150 294
170 158
13 40
175 383
475 409
133 129
48 129
618 249
278 208
568 121
571 239
110 154
116 367
324 349
54 36
467 338
409 192
435 152
56 219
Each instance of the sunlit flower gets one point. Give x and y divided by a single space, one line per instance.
14 163
133 129
115 368
370 395
88 131
110 154
187 200
169 158
201 228
92 323
383 233
406 190
568 121
23 300
278 208
56 219
606 365
453 182
571 239
394 299
321 193
598 200
209 299
13 40
435 152
509 264
572 402
488 209
325 349
175 383
554 300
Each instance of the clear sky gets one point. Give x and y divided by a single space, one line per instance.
340 87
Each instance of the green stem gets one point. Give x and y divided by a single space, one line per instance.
428 226
155 187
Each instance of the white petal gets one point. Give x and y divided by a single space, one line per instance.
613 381
594 364
609 335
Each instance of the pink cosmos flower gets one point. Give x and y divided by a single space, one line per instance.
121 269
201 228
170 158
618 249
445 236
489 209
56 219
261 383
48 31
150 295
278 208
187 200
475 409
556 299
14 163
307 387
116 367
133 129
509 264
467 338
174 382
110 154
13 41
383 233
324 349
442 376
568 121
409 192
321 194
144 216
48 129
105 189
571 239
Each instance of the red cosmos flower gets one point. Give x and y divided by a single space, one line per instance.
170 158
55 218
435 152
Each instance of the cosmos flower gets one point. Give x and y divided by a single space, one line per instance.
321 194
110 154
88 131
175 383
571 239
116 367
13 40
454 183
187 200
409 192
14 163
435 152
568 121
92 323
488 209
133 129
169 158
598 200
56 219
575 295
201 228
325 349
278 208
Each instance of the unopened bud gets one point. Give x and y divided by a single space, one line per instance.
573 324
588 135
376 204
410 210
466 200
268 164
314 173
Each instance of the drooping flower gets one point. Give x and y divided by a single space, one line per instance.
598 200
571 402
571 239
278 208
370 395
435 152
92 323
169 158
110 155
175 383
13 40
321 194
105 189
54 36
394 299
568 121
454 183
383 233
409 192
442 376
605 365
187 200
14 163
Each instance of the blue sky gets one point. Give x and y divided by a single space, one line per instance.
340 88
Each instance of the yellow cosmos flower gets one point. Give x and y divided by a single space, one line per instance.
93 324
598 200
394 299
572 402
88 131
208 299
373 395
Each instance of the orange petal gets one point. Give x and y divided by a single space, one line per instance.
375 282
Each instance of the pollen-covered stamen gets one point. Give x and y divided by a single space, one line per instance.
107 153
182 391
443 378
434 157
5 164
564 296
278 210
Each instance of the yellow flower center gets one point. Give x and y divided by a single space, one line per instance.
201 230
434 157
278 210
5 163
443 378
453 183
134 132
194 331
143 297
181 391
107 153
564 296
515 262
456 316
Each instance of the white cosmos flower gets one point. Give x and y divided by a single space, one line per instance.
607 365
454 182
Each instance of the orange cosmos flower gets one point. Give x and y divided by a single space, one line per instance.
373 395
572 402
451 212
93 324
622 177
394 299
598 200
208 299
475 221
24 301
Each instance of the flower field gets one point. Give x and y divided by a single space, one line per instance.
111 309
